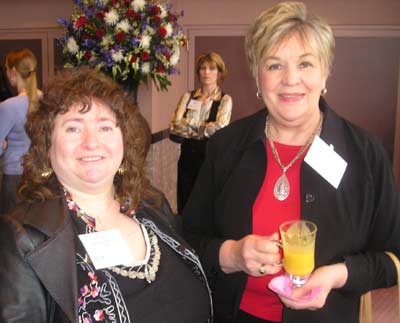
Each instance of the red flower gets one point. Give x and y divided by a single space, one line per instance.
167 55
92 276
133 59
157 19
115 2
162 31
127 1
85 37
100 33
145 56
81 21
160 68
120 36
156 10
130 13
100 15
88 54
172 17
99 315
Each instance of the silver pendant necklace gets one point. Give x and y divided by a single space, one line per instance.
282 186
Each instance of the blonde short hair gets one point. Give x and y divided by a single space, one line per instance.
213 59
282 21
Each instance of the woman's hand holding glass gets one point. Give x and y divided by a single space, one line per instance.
254 254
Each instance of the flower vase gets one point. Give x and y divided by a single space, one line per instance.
131 87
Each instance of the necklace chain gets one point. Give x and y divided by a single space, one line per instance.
302 149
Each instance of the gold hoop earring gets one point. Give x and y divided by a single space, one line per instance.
121 170
324 91
46 173
258 95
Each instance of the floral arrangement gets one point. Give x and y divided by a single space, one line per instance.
128 40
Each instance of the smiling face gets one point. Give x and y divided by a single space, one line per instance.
86 148
208 74
291 78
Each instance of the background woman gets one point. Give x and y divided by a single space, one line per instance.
84 174
21 68
254 178
199 115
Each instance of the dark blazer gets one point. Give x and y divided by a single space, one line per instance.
38 278
356 223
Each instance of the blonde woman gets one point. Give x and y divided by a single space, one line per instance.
21 65
256 176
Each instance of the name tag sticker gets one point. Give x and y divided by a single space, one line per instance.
326 162
106 248
194 105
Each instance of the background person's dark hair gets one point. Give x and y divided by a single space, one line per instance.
80 86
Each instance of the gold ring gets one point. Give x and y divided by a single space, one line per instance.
262 269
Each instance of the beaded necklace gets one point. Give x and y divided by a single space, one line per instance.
144 269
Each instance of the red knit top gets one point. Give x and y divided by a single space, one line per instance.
268 214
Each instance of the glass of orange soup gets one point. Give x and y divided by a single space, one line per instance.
298 243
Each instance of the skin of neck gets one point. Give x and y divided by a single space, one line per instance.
98 205
207 90
296 134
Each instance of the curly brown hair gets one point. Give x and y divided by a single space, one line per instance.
81 86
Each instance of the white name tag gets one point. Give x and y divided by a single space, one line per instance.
106 248
326 162
194 105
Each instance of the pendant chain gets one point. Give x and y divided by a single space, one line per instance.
302 149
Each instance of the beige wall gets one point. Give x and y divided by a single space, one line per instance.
198 15
375 12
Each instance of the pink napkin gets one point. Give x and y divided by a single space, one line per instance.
283 286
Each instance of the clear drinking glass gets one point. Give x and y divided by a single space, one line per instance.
298 244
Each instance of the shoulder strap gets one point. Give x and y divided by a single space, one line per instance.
187 103
214 109
397 264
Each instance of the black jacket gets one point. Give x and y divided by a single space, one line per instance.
356 223
38 278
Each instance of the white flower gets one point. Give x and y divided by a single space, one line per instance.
146 68
72 46
106 41
163 11
174 59
138 5
145 41
124 25
111 17
103 2
169 29
117 56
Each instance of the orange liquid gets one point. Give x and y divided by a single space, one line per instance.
298 262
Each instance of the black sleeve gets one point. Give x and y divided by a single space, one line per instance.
374 269
22 297
199 217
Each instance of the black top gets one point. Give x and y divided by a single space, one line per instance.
175 296
356 222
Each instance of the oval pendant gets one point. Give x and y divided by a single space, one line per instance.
282 188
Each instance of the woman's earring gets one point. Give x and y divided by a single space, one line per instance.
324 91
258 95
121 170
46 173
